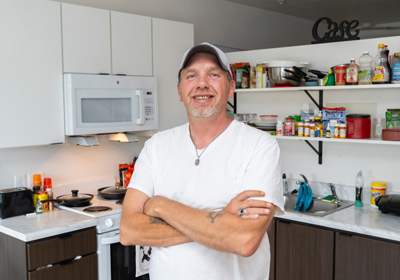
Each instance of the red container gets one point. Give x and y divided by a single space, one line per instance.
358 126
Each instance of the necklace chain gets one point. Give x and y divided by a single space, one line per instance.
197 161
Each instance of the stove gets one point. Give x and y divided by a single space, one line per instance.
115 261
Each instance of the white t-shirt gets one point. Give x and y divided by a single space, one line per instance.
241 158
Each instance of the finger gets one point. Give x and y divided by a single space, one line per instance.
249 193
250 217
255 203
257 211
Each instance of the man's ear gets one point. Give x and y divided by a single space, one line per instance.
179 93
232 88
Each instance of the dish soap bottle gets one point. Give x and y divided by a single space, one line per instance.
285 183
359 188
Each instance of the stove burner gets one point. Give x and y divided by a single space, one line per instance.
97 209
78 204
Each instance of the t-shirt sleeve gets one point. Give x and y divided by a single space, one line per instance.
263 172
142 177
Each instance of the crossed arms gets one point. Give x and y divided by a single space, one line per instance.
161 222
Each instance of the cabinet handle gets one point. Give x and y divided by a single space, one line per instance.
121 75
64 236
345 234
104 74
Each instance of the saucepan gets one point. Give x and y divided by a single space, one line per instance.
112 192
74 200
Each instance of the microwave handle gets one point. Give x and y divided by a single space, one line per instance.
139 92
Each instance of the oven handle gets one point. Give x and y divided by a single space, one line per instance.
110 240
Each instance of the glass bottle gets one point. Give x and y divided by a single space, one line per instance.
366 70
359 188
352 73
377 128
381 73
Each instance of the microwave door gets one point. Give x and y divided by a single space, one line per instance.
108 110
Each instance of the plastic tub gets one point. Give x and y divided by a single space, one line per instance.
269 118
377 189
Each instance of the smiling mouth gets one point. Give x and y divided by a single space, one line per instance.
202 97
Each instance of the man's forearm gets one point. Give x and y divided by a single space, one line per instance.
218 230
150 231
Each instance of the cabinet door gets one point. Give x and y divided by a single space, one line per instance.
131 44
31 97
271 237
364 258
86 39
170 40
303 252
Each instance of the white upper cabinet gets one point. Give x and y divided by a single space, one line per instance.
86 39
31 97
131 44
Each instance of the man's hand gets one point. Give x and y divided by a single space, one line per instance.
254 208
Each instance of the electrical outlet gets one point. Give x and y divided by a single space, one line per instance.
19 181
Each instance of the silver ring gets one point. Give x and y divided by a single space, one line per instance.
242 212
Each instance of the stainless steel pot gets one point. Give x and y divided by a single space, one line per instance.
280 78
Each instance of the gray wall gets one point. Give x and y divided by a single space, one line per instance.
219 22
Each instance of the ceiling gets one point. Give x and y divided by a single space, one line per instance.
373 11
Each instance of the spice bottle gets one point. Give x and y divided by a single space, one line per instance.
352 73
307 129
279 128
342 131
300 131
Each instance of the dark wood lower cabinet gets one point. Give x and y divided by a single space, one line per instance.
303 252
365 258
28 260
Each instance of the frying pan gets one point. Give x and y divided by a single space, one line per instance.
112 192
73 200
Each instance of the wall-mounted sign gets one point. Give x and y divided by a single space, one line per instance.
344 31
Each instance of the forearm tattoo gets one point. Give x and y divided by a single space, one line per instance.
213 215
158 221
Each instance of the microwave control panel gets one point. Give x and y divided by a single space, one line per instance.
149 107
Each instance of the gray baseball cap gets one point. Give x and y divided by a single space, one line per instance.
206 48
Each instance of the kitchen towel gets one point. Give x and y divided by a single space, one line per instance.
304 198
143 254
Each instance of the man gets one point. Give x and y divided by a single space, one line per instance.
189 195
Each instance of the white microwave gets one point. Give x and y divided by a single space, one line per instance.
102 104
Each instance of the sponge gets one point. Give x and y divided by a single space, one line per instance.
329 198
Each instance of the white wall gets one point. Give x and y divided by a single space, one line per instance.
219 22
341 161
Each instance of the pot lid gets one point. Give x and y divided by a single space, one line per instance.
286 63
358 116
75 196
112 190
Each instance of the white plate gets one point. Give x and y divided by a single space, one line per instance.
265 124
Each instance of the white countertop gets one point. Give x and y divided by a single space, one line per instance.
365 220
44 225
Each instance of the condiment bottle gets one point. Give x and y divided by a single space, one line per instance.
42 195
386 52
340 75
307 129
312 130
342 131
300 131
329 80
366 70
35 191
279 128
381 71
37 181
352 73
50 196
47 184
396 69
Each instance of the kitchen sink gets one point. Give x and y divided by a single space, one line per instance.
317 208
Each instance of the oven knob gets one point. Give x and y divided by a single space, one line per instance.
109 222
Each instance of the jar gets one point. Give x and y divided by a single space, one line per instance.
378 188
307 129
377 128
289 127
300 130
340 75
312 130
342 131
279 128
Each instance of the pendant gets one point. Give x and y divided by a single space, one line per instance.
197 162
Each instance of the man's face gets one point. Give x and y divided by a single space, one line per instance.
204 86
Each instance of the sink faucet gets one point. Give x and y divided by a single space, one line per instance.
305 180
333 189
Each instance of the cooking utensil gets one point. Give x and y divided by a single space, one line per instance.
73 200
318 73
112 192
279 77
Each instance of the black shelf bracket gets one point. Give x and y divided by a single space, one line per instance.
319 152
234 105
320 104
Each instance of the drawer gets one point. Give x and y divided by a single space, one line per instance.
61 248
82 269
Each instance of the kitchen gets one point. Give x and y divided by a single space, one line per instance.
67 163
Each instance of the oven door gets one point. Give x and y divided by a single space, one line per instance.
116 262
